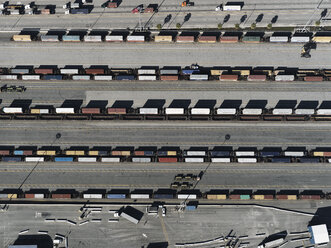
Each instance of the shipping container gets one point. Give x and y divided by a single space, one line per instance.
310 197
87 159
216 196
46 152
71 38
282 111
12 110
43 71
323 112
313 78
202 77
92 38
216 153
53 77
39 111
63 159
103 77
284 78
163 38
135 38
309 160
91 111
69 71
139 196
81 77
278 39
3 195
322 39
252 111
251 39
304 111
194 160
146 71
95 71
168 72
35 196
220 160
167 159
79 11
61 196
64 110
30 77
19 71
23 152
147 77
11 159
281 160
247 160
4 152
186 196
141 160
8 77
114 38
18 37
111 160
257 78
294 153
190 71
191 207
229 39
45 12
195 153
185 39
269 153
230 7
34 159
119 111
75 152
11 196
174 111
226 111
244 153
228 77
125 77
304 39
92 196
163 196
49 38
149 111
169 77
115 196
200 111
207 39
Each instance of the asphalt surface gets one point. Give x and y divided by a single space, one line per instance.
205 223
203 15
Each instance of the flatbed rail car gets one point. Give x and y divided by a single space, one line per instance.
117 194
163 155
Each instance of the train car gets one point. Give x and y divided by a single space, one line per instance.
22 38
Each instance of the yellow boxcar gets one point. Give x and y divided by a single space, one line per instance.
258 197
318 154
18 37
163 38
322 39
171 153
35 111
292 197
93 153
13 196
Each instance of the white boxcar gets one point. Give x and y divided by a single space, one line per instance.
64 110
294 153
30 77
194 160
149 111
34 159
247 160
139 196
141 160
300 39
226 111
252 111
49 38
278 39
323 112
92 196
168 72
92 38
174 111
245 153
12 110
220 160
87 159
81 77
114 38
147 77
103 77
282 111
8 77
199 77
200 111
135 38
304 111
111 160
146 71
187 196
284 78
69 71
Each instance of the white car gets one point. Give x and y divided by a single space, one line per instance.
164 211
218 8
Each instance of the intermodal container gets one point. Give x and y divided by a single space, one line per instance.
4 152
258 197
191 207
115 196
87 159
23 152
245 197
81 77
214 72
91 111
251 39
43 71
304 111
69 71
194 160
30 77
39 111
186 196
309 160
61 196
75 152
146 71
163 38
247 160
93 153
269 153
195 153
141 160
49 38
36 196
278 39
12 110
64 110
53 77
296 39
167 159
8 77
171 153
92 38
313 78
45 11
11 159
149 111
147 77
34 159
95 71
125 77
169 77
21 37
292 197
190 71
322 39
323 112
46 152
202 77
228 77
3 195
118 111
92 196
163 196
294 153
216 196
244 153
63 159
252 111
20 71
207 39
220 160
216 153
185 39
229 39
257 78
168 72
226 111
114 38
135 38
282 111
111 160
234 197
284 78
281 160
11 196
103 77
71 38
310 197
79 11
200 111
139 196
174 111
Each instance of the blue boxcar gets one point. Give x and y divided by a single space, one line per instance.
53 77
116 196
64 159
11 159
125 77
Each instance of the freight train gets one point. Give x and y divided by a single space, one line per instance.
165 155
166 194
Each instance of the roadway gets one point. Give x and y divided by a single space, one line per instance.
203 15
155 54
